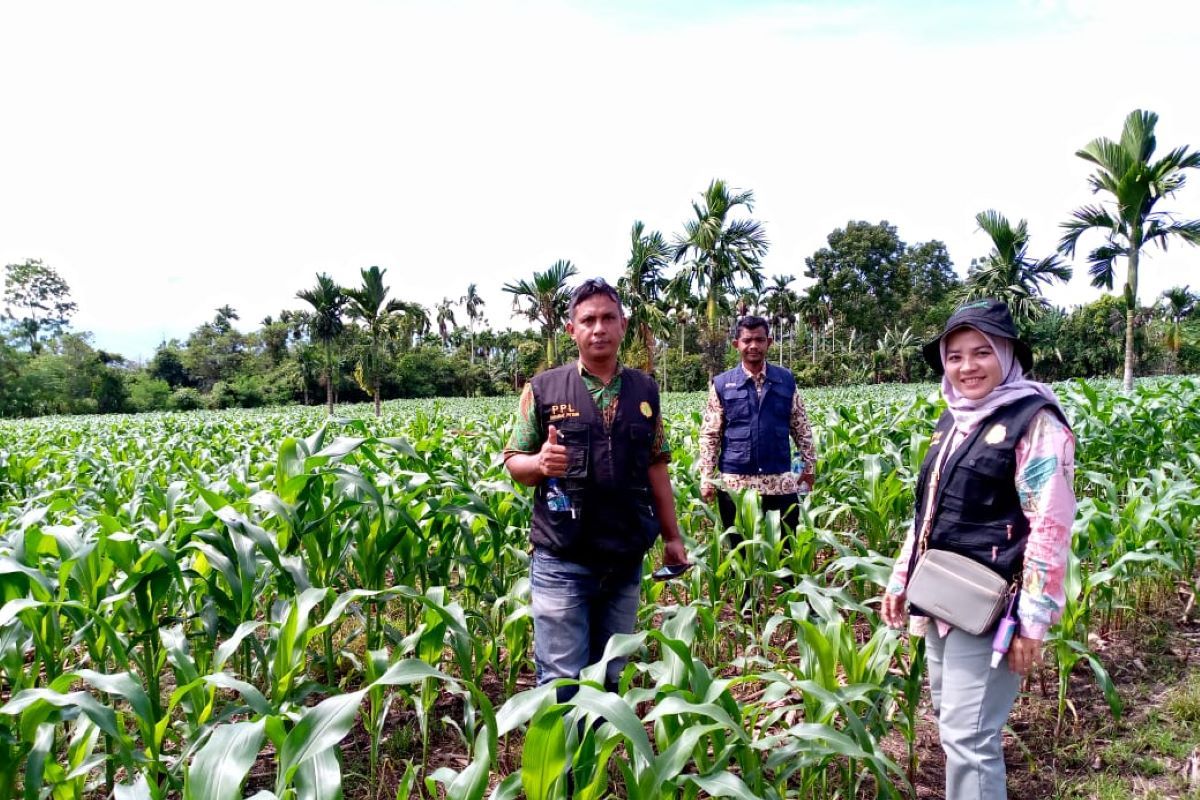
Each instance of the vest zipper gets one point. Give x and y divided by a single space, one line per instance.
612 471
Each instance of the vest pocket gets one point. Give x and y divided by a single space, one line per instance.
980 484
736 403
776 401
736 447
577 438
645 519
566 527
641 440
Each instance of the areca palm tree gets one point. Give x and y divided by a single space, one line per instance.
1178 303
1134 183
679 304
325 323
640 289
224 320
781 305
472 303
719 250
1008 273
370 304
546 298
414 323
445 318
814 310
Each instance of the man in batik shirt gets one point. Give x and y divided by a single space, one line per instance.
754 413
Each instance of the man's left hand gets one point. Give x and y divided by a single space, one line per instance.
807 479
674 552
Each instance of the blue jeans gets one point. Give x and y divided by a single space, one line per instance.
576 608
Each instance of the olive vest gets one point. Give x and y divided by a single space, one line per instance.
607 479
756 440
977 510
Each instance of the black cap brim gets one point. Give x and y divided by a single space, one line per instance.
933 350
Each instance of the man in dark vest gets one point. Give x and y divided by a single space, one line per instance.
589 437
752 412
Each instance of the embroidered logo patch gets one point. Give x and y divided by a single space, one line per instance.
561 411
646 410
996 434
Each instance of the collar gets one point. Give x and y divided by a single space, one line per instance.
746 376
585 373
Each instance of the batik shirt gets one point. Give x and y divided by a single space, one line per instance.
527 435
713 430
1045 470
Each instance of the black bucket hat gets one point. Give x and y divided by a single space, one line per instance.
990 316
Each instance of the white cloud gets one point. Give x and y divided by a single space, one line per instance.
170 159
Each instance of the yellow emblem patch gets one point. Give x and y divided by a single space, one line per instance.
996 434
646 410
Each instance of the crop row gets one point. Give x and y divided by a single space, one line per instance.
187 600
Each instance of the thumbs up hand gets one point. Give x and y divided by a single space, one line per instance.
552 458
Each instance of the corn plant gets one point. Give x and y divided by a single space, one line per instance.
188 599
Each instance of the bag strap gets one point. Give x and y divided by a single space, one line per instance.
935 477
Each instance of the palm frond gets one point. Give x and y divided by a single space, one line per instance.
1137 137
1084 219
1161 232
1108 155
1100 265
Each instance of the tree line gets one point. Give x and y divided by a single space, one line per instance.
870 300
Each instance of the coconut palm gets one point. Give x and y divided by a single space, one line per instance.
719 250
546 298
370 304
473 304
1008 273
640 289
325 323
1133 183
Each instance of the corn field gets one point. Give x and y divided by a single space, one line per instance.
219 605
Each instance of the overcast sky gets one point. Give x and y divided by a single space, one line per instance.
170 158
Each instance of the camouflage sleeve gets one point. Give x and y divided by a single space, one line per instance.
527 432
660 450
802 433
711 431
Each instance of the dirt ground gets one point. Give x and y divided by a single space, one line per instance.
1154 662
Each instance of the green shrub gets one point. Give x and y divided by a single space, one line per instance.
147 393
186 398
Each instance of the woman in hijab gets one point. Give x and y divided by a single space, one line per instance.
996 487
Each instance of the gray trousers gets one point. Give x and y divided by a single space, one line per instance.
972 702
